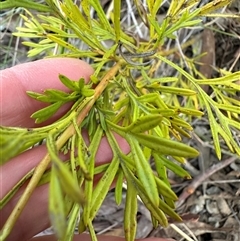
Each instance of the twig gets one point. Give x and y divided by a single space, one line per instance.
179 231
198 180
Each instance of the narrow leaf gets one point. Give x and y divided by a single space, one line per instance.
89 183
47 112
165 190
102 187
72 85
166 146
175 168
68 183
155 211
87 92
56 94
101 14
117 26
56 205
118 188
144 172
144 123
172 90
130 213
71 224
169 211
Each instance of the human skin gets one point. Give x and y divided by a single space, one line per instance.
15 110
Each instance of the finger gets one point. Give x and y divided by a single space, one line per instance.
34 217
18 167
33 221
16 106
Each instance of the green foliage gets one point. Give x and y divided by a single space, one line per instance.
126 95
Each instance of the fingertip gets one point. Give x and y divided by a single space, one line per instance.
16 105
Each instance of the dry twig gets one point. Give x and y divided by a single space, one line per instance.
198 180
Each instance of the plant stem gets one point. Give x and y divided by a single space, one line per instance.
40 169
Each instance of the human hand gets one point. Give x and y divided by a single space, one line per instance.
16 108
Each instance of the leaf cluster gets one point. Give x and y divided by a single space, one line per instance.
57 98
126 96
